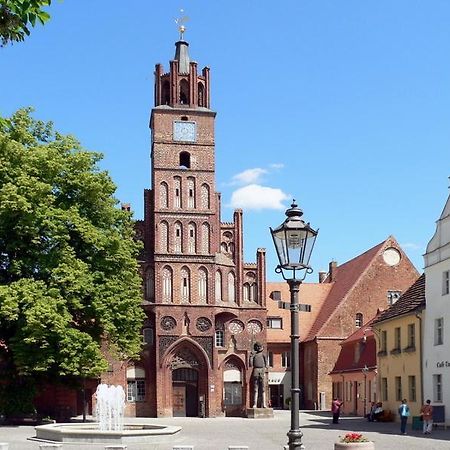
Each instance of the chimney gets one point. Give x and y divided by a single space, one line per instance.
332 270
322 276
125 207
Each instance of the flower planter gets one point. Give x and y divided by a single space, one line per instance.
354 446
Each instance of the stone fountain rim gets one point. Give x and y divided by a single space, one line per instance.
81 431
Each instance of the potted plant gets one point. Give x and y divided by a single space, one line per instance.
354 441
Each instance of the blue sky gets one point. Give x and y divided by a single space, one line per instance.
343 105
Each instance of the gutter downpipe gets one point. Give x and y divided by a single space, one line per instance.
419 316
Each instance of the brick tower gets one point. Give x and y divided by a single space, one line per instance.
205 307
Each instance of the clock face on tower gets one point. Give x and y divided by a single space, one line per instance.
184 131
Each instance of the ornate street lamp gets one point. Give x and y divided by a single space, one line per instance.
294 241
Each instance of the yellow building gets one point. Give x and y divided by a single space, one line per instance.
399 349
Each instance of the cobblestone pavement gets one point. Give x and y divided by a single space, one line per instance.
259 434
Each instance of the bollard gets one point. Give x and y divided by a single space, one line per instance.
183 447
4 446
49 446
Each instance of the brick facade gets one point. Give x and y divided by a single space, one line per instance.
205 307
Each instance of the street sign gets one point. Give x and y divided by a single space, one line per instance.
299 307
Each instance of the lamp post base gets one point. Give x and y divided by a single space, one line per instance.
295 440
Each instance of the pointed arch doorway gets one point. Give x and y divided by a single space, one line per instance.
185 392
187 376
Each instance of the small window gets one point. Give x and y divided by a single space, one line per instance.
185 160
446 282
359 320
275 322
437 388
270 358
384 341
384 389
439 331
219 338
412 388
286 359
398 389
397 339
411 335
147 336
393 296
135 390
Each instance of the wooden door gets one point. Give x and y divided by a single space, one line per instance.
179 400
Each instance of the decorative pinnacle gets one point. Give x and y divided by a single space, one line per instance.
180 22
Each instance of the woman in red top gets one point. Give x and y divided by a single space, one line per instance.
427 416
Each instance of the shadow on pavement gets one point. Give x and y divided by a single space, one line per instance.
323 420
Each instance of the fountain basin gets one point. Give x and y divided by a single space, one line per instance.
89 433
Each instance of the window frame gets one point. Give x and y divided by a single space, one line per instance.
273 319
219 339
439 331
136 394
398 389
446 282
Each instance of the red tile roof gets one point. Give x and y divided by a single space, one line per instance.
346 277
363 337
412 300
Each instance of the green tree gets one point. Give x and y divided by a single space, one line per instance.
69 277
17 16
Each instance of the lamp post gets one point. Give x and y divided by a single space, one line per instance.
294 241
364 370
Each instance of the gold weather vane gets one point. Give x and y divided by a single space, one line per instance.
180 22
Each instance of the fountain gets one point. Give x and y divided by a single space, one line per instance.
110 428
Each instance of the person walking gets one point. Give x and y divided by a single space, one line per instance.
336 409
403 411
427 416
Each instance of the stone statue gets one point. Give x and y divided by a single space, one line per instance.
258 361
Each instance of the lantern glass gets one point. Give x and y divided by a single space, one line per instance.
294 241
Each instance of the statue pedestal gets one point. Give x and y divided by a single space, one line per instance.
259 413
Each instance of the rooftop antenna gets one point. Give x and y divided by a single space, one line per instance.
180 21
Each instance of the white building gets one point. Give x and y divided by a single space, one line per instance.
436 341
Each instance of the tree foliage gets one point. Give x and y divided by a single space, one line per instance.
17 16
69 279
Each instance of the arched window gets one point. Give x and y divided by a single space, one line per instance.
201 95
185 285
205 238
202 285
178 238
191 193
185 160
204 196
224 247
359 320
164 237
150 285
184 92
164 195
177 192
165 93
191 237
246 291
254 293
218 286
167 284
231 289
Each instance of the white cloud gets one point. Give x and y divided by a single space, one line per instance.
249 176
411 246
277 166
255 196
